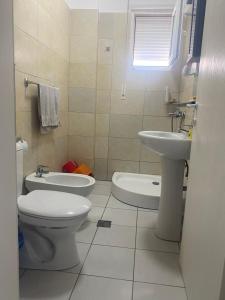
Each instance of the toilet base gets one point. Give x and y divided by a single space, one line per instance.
48 248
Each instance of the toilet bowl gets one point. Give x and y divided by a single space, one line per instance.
49 221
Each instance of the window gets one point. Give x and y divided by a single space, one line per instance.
156 37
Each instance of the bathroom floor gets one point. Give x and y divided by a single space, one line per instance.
124 262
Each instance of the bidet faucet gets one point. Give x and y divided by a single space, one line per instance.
41 170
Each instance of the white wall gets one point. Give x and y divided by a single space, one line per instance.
203 245
117 5
8 206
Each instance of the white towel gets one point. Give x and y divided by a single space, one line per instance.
48 107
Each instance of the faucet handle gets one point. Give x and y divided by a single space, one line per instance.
41 169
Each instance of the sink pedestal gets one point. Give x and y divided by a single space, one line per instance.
170 206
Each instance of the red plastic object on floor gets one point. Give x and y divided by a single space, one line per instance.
70 167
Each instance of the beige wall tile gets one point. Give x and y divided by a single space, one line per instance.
101 147
41 54
82 100
83 75
104 77
61 70
101 169
27 127
136 79
132 106
122 166
148 156
150 168
84 22
82 124
103 101
81 147
26 53
25 98
83 49
46 63
61 155
46 27
64 98
126 126
62 130
118 76
156 80
105 51
106 26
120 26
124 149
26 16
155 105
30 160
157 123
102 125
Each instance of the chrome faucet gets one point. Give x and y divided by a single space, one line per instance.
178 114
41 170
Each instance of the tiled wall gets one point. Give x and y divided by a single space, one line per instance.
102 127
42 54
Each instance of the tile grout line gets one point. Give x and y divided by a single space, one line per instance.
91 244
132 293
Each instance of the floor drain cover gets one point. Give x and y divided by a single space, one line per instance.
103 223
155 183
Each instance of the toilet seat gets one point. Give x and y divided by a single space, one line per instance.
51 208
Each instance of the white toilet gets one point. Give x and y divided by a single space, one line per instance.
49 220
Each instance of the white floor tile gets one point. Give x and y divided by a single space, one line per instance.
121 236
98 200
157 267
83 251
86 232
122 217
114 203
147 240
110 262
43 285
102 188
104 182
98 288
95 214
147 219
145 291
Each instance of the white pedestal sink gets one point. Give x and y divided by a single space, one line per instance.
174 149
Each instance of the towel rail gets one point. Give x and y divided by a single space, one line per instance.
27 82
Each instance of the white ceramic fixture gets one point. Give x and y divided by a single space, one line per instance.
174 149
138 190
49 221
64 182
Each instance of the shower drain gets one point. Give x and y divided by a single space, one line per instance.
103 223
155 183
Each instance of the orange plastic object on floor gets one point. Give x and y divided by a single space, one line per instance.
83 169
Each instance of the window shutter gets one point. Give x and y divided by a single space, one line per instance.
152 44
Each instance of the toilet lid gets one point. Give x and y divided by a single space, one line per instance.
52 204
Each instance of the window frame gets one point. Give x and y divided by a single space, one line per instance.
154 11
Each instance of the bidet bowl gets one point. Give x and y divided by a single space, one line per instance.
172 145
62 182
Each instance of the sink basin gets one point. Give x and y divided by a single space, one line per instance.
174 149
169 144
